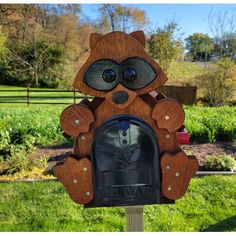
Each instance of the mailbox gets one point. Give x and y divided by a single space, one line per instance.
126 149
125 160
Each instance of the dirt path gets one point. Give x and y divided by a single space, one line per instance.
199 150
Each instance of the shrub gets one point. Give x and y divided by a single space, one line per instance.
219 163
209 124
217 84
23 129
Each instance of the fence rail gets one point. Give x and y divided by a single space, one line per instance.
33 96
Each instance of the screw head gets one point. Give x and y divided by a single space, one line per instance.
87 193
169 188
83 137
168 167
75 181
85 169
167 136
77 121
177 174
167 117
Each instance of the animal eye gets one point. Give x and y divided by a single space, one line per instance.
101 75
130 74
136 73
109 75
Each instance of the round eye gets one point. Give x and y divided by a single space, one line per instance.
109 75
129 74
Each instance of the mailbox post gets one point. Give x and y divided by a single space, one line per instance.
126 150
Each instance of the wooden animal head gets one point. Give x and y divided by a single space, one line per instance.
119 69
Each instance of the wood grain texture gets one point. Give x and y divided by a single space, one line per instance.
94 38
134 218
118 46
76 176
76 119
168 114
167 141
140 36
177 170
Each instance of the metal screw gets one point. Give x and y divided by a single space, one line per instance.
167 117
177 174
77 122
85 169
169 188
87 193
167 136
82 137
75 181
168 167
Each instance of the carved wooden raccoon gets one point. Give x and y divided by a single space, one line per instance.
126 151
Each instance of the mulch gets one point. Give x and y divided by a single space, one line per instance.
201 151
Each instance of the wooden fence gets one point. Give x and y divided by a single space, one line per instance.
183 94
32 96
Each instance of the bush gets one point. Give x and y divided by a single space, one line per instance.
21 130
217 84
210 124
219 163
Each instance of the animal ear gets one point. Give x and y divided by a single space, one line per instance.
140 36
94 38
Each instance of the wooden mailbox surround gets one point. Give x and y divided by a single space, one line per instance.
164 115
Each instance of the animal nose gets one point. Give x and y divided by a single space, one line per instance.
120 97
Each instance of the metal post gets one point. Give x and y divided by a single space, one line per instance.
134 219
28 95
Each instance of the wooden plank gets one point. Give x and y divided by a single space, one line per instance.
134 219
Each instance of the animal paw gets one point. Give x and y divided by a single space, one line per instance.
168 114
76 176
76 119
177 170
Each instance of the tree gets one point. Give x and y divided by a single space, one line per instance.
33 64
218 82
199 46
222 25
57 26
115 17
163 45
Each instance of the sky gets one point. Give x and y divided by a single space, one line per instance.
191 18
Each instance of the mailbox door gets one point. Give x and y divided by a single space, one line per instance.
125 161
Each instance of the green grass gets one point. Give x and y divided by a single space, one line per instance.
183 72
209 205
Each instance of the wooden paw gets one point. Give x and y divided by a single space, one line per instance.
168 114
76 119
76 176
177 170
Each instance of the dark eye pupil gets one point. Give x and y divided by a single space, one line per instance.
109 75
130 74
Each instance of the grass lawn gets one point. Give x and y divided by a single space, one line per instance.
209 205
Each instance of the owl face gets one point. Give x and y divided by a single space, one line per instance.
119 69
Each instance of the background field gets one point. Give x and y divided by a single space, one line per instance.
209 205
